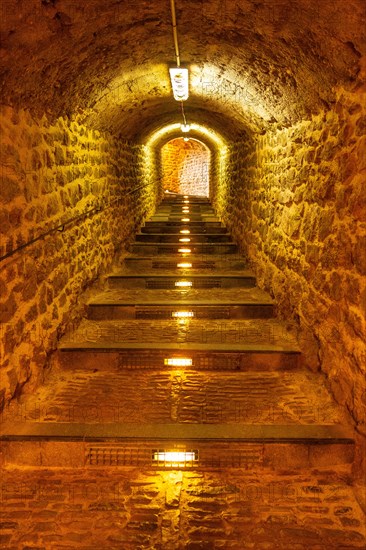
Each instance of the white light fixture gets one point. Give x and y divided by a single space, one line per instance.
185 231
184 250
178 362
185 240
184 265
174 458
179 79
183 284
182 314
185 219
185 128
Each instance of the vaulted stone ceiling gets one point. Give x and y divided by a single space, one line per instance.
252 62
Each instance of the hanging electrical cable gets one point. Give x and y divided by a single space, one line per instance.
178 75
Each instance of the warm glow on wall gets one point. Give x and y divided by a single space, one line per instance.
178 362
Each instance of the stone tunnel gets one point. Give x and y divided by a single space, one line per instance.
91 143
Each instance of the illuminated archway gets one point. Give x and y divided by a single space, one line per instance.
185 166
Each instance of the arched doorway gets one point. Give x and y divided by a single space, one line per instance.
186 166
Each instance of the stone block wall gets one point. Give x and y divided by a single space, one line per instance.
185 167
52 173
295 200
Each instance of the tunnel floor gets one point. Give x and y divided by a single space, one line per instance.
188 359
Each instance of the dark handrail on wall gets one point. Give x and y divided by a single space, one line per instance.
72 220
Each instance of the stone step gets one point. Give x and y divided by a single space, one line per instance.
176 225
178 395
176 228
241 344
48 445
182 218
195 248
185 202
199 207
175 238
180 264
160 304
170 280
180 199
199 212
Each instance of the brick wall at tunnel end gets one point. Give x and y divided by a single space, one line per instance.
50 173
185 167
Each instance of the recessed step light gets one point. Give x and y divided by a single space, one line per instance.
174 458
184 250
184 265
185 219
183 284
185 231
178 362
182 314
185 240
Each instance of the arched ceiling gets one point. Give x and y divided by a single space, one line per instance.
252 62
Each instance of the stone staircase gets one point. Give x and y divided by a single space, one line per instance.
182 369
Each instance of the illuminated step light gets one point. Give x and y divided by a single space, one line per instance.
184 250
183 284
185 219
178 362
175 458
179 80
185 240
182 314
186 201
185 231
185 196
185 128
185 210
184 265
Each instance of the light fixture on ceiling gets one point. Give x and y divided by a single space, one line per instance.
179 80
